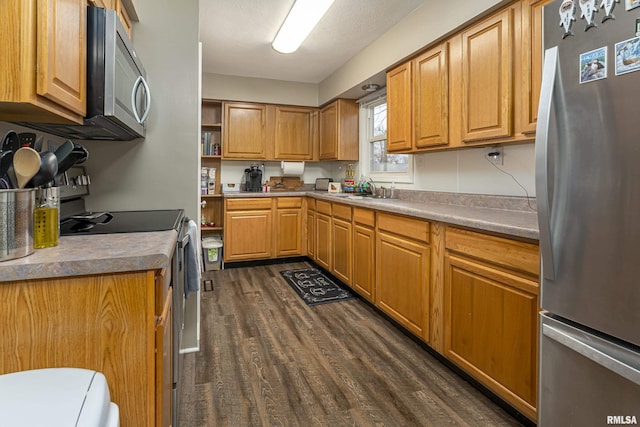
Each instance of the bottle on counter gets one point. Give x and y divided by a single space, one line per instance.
46 223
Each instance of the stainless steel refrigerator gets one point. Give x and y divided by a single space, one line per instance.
588 194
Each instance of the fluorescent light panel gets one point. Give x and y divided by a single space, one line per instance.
302 18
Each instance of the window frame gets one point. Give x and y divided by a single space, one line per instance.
366 138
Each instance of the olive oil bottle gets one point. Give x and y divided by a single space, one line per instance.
46 224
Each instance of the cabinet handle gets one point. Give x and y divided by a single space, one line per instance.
162 319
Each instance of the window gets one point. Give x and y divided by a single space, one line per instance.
376 162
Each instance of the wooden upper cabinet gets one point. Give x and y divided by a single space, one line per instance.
532 58
43 69
339 131
295 129
245 133
431 97
487 51
399 124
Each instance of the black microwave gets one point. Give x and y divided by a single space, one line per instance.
118 95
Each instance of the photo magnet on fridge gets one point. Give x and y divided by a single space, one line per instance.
588 8
608 6
593 65
631 4
627 56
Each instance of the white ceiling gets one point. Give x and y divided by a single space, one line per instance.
236 36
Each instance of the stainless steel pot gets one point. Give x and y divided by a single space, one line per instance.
16 223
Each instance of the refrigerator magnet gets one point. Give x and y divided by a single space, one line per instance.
631 4
593 65
608 6
588 8
567 16
627 56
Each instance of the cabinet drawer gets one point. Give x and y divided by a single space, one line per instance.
413 228
342 211
323 207
364 216
511 254
289 202
248 204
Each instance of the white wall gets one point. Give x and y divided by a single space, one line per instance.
233 88
468 171
232 171
160 172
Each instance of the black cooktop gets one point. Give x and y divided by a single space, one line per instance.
122 222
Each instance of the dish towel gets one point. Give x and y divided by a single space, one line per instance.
192 263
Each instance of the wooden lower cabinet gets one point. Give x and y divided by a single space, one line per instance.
402 272
342 254
311 234
118 324
323 241
491 308
263 227
288 231
248 229
364 245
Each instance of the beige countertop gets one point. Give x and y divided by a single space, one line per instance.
485 213
94 254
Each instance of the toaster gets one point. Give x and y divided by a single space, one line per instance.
322 184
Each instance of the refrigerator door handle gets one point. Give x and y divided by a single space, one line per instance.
596 355
549 75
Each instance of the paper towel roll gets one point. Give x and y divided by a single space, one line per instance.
292 168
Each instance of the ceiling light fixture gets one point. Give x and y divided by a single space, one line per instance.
370 87
302 18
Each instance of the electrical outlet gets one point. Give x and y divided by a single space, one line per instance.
494 155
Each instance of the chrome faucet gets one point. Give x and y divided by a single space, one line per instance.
372 186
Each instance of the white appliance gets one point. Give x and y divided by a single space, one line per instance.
56 397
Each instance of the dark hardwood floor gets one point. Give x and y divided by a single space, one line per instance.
269 359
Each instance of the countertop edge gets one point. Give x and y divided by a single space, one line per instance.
92 255
507 222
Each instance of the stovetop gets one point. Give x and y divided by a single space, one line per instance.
122 222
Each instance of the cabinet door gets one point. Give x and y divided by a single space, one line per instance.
431 97
402 281
342 256
399 130
245 131
486 78
329 132
248 235
311 234
490 329
323 241
288 232
294 133
61 53
363 261
532 56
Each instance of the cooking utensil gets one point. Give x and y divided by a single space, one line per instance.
63 151
6 159
48 170
26 163
77 156
10 142
38 144
27 139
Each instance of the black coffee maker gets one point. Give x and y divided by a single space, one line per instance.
253 178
